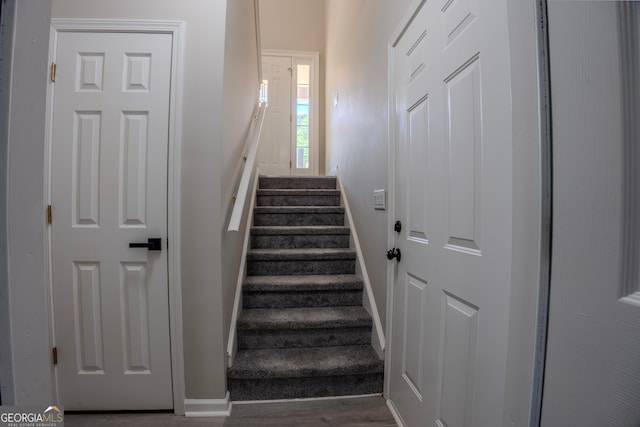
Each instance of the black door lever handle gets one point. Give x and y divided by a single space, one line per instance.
394 253
154 244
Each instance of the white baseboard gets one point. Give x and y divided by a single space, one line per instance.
395 414
207 407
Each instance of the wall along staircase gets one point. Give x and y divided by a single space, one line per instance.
303 331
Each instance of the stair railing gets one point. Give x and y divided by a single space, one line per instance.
246 187
249 154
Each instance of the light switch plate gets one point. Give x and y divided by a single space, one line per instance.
379 199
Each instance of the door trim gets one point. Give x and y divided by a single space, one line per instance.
546 148
174 162
314 131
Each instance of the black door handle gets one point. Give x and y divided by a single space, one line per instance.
154 244
394 253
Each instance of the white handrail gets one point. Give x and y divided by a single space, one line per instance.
250 153
232 344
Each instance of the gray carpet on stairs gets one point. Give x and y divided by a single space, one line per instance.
302 331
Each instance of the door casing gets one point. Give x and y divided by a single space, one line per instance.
176 29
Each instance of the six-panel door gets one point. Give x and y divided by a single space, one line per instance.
450 309
109 189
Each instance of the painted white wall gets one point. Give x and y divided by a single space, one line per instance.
28 302
7 26
241 95
357 34
30 342
298 26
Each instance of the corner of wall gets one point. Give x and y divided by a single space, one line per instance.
7 27
29 319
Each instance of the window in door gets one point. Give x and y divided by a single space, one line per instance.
302 116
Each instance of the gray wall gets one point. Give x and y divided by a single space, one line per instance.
357 128
241 94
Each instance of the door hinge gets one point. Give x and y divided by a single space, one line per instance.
290 164
290 118
54 355
49 214
53 71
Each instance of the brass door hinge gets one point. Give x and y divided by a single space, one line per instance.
49 214
53 71
54 355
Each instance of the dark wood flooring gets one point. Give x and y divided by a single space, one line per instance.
352 412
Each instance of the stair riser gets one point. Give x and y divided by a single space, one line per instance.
292 200
301 299
293 219
299 338
300 241
297 183
291 388
287 268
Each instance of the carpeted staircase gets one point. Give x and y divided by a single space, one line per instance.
302 331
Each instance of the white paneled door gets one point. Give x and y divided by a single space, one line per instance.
274 152
109 189
451 289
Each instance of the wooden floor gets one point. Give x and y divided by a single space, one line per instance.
362 411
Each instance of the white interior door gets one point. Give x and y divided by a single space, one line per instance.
109 189
592 374
450 306
274 151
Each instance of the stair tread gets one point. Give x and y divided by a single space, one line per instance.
274 230
297 192
302 283
297 182
298 209
304 318
300 254
305 362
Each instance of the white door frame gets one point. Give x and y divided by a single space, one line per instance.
176 29
529 58
314 101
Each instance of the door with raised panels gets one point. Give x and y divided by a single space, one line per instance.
109 190
274 155
450 306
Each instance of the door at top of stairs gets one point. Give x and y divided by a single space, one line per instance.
288 144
